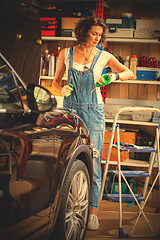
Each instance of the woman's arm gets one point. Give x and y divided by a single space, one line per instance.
116 66
60 69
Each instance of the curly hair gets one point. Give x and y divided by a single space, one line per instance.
85 24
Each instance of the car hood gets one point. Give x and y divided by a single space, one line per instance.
20 39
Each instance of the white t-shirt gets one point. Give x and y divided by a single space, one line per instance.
97 70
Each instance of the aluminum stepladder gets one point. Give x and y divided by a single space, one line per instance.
123 174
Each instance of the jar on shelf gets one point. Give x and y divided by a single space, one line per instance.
45 64
51 65
126 62
133 65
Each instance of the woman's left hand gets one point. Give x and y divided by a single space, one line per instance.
105 79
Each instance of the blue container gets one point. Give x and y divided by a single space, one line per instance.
145 73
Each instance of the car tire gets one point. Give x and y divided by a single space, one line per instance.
74 209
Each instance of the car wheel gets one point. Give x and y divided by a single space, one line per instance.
74 208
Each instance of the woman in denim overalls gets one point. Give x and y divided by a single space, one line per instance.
84 65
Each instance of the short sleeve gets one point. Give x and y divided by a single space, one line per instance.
66 58
104 58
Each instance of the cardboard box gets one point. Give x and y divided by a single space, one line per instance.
126 137
151 24
114 153
120 32
142 116
69 23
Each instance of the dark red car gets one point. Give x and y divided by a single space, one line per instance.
45 162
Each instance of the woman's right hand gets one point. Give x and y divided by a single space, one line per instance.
66 90
104 80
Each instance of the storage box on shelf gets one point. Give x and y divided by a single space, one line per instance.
147 73
120 27
126 136
50 20
146 28
68 25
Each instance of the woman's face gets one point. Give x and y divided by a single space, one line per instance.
94 35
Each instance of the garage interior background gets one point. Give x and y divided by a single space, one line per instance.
141 38
138 20
144 20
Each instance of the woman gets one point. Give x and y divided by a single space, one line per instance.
84 64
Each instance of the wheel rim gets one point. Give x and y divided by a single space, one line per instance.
77 206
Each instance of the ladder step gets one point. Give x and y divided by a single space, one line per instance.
125 197
134 148
131 173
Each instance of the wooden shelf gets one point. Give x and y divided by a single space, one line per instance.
58 38
130 122
152 82
131 40
131 163
119 81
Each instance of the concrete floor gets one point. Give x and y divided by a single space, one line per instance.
109 221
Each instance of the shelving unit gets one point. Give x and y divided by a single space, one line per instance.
114 40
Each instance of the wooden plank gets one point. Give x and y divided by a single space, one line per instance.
115 48
154 50
133 91
123 91
158 94
133 102
125 49
115 92
109 91
152 90
70 44
142 91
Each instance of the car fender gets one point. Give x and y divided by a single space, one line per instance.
84 153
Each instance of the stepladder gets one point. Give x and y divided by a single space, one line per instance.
139 199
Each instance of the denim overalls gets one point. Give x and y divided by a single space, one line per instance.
92 114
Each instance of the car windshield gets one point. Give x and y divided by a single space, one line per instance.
12 92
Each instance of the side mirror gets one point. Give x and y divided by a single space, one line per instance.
40 99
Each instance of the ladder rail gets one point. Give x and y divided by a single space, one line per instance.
119 180
153 154
124 109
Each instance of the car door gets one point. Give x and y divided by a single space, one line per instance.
18 217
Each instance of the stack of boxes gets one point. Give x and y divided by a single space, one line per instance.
120 27
147 28
50 23
125 136
68 25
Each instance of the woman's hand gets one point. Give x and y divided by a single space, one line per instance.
67 90
104 80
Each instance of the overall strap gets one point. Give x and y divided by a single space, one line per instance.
70 57
95 59
70 65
